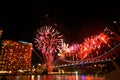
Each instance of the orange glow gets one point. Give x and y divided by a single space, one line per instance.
89 45
92 43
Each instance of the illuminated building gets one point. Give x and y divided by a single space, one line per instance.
15 55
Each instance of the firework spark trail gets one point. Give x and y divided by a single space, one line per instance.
48 41
90 44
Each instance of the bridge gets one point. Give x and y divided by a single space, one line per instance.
107 56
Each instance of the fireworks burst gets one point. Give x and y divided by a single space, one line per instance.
48 40
90 44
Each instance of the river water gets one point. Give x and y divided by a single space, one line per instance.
55 77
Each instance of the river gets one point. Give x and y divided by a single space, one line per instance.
55 77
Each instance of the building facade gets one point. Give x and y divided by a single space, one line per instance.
15 55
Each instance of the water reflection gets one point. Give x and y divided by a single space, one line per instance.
55 77
38 77
83 77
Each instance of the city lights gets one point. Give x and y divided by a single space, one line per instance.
14 54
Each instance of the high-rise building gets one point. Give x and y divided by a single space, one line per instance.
15 55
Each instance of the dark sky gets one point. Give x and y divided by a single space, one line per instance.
76 20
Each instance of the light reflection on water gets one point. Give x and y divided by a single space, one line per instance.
55 77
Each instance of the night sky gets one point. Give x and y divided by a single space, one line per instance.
75 20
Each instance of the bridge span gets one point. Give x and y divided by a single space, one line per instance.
108 56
